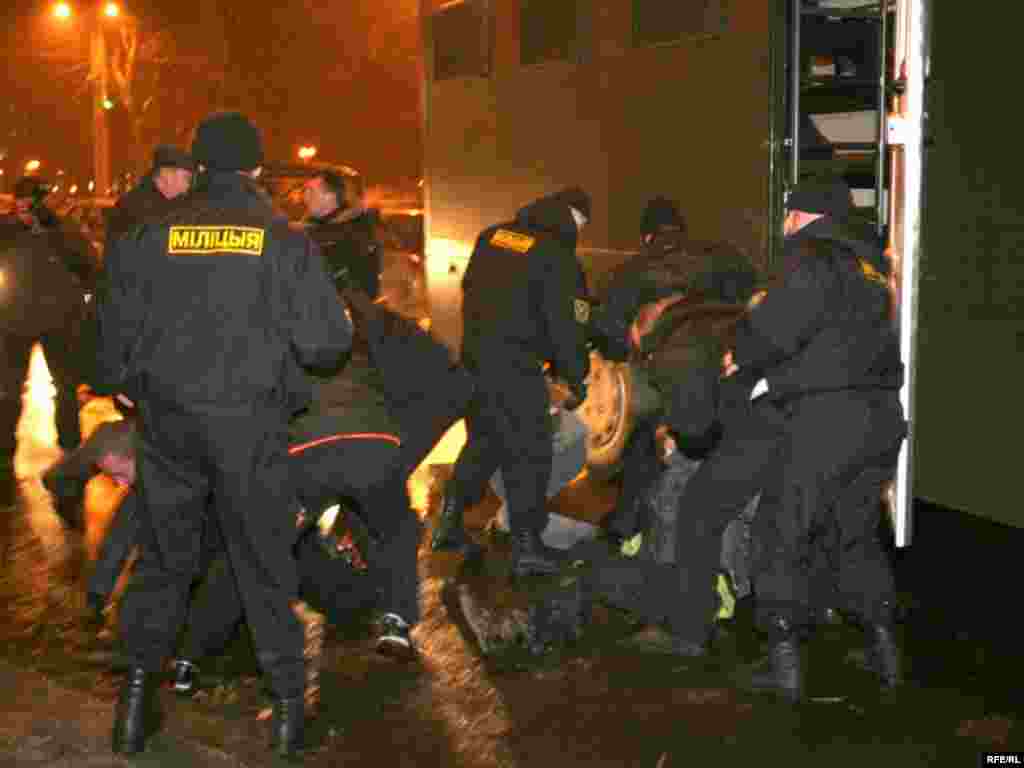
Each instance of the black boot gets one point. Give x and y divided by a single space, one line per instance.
530 556
287 726
450 534
781 673
883 654
135 717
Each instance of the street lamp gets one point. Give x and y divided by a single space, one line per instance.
307 153
98 74
32 166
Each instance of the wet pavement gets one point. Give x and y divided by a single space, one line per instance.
593 704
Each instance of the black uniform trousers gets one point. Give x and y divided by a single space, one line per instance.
361 467
838 452
236 458
734 472
640 470
63 360
508 427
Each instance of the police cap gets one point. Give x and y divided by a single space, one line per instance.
168 156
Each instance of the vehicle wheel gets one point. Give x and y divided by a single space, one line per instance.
607 414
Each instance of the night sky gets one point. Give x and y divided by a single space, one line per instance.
340 75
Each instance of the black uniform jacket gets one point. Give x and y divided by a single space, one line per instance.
399 384
215 302
524 295
47 273
671 263
826 328
348 242
134 207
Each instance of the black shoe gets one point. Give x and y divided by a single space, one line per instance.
186 677
883 655
287 725
135 717
450 534
782 672
394 639
531 557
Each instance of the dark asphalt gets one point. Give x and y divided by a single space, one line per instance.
593 705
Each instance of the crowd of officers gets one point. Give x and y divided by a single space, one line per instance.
264 384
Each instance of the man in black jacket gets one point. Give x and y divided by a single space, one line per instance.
346 234
824 343
523 304
48 274
205 314
170 179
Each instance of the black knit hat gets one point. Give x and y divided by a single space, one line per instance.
227 141
167 156
828 196
576 198
660 212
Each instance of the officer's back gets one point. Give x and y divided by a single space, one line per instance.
521 279
217 286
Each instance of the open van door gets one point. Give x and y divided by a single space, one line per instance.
905 140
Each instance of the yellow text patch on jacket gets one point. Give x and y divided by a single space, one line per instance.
185 240
871 274
512 241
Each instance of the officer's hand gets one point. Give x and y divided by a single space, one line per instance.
577 396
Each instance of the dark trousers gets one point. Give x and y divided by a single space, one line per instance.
191 460
370 471
838 452
739 467
353 467
59 349
640 470
508 427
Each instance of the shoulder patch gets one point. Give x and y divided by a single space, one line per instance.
581 309
870 273
512 241
199 241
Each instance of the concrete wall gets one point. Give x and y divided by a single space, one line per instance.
689 120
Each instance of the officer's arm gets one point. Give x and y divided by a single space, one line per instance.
321 332
687 374
566 312
787 318
120 311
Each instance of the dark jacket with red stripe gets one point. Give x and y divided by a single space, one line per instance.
399 382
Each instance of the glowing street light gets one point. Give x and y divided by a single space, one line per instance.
32 165
307 153
111 10
62 10
73 190
108 104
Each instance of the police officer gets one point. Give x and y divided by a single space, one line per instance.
47 276
523 304
169 179
203 318
346 234
824 343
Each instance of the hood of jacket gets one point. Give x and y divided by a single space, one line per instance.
552 217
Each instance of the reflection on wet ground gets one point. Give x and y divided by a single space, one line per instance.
595 704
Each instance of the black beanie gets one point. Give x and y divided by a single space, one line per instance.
658 213
227 141
576 198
